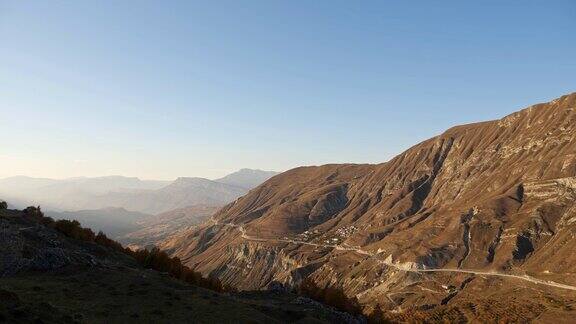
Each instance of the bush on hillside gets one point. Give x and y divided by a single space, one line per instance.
33 212
3 204
36 214
74 230
103 240
159 260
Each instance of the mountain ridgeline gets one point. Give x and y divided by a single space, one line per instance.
138 213
247 178
477 223
144 196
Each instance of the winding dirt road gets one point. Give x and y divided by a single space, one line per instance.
400 267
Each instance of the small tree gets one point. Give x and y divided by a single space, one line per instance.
34 212
3 204
74 230
103 240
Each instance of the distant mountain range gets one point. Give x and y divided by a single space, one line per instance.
70 194
181 193
132 194
125 208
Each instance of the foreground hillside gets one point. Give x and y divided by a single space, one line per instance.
475 224
47 276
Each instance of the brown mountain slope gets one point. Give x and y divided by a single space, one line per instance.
492 197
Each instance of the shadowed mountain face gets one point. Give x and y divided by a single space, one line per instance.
475 205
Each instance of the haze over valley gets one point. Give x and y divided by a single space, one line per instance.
357 162
129 209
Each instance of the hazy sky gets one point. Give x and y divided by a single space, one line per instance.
161 89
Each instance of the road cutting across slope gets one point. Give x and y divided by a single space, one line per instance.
399 267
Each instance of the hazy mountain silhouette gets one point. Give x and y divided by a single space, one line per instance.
146 196
183 192
122 207
69 194
247 178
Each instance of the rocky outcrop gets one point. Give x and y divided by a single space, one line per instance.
28 246
550 190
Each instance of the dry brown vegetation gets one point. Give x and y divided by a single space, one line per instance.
337 298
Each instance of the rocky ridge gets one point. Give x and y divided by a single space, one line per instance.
491 197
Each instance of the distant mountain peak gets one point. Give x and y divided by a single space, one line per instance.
247 178
190 179
248 170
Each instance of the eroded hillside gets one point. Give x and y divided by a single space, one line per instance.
475 224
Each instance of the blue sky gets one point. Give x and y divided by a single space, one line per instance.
161 89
